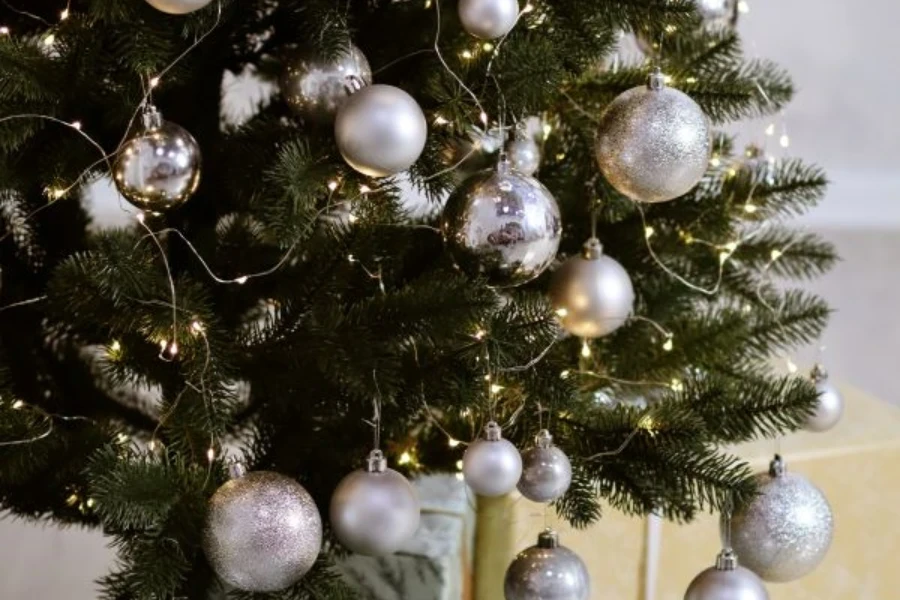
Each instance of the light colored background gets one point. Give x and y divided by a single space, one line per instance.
844 118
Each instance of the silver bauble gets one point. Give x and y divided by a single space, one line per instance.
374 511
503 225
547 571
591 293
786 531
718 14
491 465
159 167
524 154
488 19
653 142
380 130
726 581
263 532
830 406
546 470
315 87
178 7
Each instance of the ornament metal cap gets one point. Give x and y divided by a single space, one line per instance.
818 373
492 432
376 462
353 83
657 80
543 439
777 467
237 470
151 118
726 560
592 249
548 538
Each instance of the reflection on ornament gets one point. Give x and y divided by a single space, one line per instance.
547 571
491 465
315 87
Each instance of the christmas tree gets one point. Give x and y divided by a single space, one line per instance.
288 284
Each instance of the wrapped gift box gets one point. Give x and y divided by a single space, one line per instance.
857 466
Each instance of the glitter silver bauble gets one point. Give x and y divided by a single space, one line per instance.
653 142
380 130
502 225
315 87
591 293
546 470
263 531
159 167
786 531
830 407
726 581
374 511
547 571
491 465
524 154
488 19
178 7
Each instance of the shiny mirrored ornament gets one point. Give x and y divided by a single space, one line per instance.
488 19
263 531
502 225
158 168
375 511
830 405
726 581
591 293
380 130
178 7
315 87
653 142
718 14
524 154
785 532
547 571
546 470
491 465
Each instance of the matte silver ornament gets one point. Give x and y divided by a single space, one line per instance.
786 531
488 19
315 87
158 168
726 581
376 510
524 154
178 7
830 407
591 293
380 130
491 465
653 142
546 470
547 571
503 225
263 531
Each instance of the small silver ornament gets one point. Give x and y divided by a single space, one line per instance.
488 19
591 293
726 581
380 130
315 87
159 168
263 531
524 154
546 470
178 7
491 465
830 406
786 531
718 14
503 225
375 511
547 571
653 142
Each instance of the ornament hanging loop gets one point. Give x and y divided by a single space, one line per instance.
376 462
592 249
818 373
353 83
151 118
543 439
726 560
777 467
548 539
492 432
237 470
657 80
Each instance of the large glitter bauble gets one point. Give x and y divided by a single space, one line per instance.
263 532
503 225
158 168
547 571
546 470
375 511
178 7
488 19
491 465
315 87
524 154
726 581
380 130
591 293
786 531
653 142
830 406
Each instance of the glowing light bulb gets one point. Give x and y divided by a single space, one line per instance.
154 81
241 280
668 345
332 185
585 350
210 454
453 443
776 254
405 458
64 14
648 232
